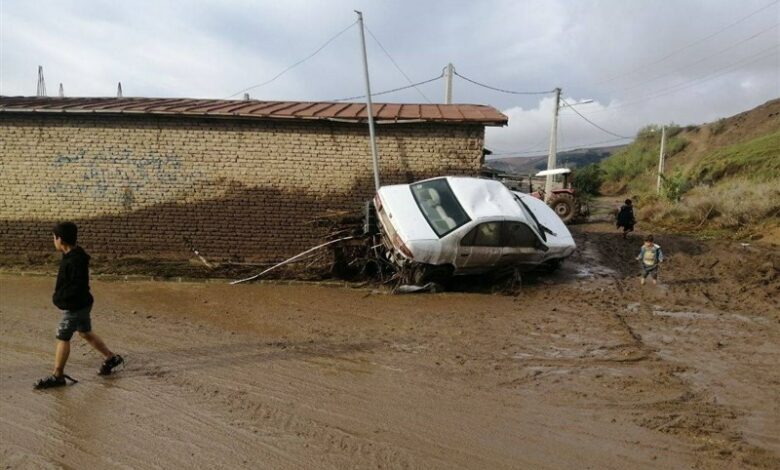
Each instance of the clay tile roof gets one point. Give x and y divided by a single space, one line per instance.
310 110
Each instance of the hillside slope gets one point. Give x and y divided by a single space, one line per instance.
720 177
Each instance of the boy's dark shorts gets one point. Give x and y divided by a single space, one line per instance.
72 321
651 271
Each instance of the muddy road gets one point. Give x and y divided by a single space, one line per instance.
582 369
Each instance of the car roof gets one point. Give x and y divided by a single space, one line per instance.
484 198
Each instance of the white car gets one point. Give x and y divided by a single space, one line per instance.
459 225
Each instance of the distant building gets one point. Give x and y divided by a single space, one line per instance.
241 179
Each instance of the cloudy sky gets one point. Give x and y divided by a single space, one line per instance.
640 61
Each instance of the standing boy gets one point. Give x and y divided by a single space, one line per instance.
650 256
71 294
625 218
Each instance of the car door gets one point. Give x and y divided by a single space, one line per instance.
480 248
520 246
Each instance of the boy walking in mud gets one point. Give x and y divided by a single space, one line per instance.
625 218
650 255
72 295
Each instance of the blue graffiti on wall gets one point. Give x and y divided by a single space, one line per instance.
121 176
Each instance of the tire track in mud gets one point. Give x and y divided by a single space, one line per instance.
300 427
269 409
297 377
693 413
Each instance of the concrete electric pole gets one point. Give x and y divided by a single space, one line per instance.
41 82
551 157
448 72
661 158
369 109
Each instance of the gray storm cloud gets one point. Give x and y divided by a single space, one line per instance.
640 62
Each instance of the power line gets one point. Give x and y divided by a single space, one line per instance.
503 90
396 65
413 85
591 122
691 64
333 38
588 146
681 86
500 151
688 46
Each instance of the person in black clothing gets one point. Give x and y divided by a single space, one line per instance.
72 295
625 218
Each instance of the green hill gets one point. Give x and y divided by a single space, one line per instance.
720 178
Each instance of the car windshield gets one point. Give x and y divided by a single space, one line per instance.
528 211
439 206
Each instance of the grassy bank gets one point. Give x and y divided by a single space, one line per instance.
720 190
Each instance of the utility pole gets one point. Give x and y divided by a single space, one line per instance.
551 157
661 158
62 91
246 96
369 109
448 71
41 82
119 89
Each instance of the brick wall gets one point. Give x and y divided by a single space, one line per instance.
247 189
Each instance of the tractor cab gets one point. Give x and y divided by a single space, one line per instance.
562 198
559 184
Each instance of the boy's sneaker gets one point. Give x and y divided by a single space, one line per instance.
53 381
110 363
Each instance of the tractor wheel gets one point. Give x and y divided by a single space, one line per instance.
563 205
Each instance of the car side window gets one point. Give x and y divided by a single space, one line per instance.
519 235
487 234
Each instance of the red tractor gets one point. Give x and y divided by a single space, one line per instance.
563 199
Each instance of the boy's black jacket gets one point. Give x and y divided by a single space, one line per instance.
72 289
626 216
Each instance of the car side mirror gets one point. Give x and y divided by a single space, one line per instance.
541 246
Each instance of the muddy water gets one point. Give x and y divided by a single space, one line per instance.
577 371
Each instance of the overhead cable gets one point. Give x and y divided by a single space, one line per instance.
413 85
511 92
761 55
691 64
398 67
333 38
688 46
591 122
578 147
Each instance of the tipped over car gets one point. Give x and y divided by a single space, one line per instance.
449 226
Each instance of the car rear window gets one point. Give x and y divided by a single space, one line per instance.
439 206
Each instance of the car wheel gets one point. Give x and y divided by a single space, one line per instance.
563 205
553 265
423 274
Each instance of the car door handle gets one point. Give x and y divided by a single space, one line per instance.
464 255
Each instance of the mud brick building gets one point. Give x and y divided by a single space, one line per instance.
236 179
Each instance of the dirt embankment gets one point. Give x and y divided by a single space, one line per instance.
582 369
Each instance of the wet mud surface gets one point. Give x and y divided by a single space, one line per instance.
580 369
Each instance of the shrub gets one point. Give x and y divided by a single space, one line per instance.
731 205
673 187
587 180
